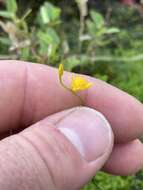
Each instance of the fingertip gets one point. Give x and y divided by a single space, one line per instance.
125 159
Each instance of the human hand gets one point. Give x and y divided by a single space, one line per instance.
66 149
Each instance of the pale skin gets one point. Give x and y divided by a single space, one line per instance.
31 92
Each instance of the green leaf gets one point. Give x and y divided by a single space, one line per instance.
48 41
43 37
101 77
11 6
48 37
49 13
97 19
91 27
71 62
5 41
74 61
54 36
112 30
6 14
25 52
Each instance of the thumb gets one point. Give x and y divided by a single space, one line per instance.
63 151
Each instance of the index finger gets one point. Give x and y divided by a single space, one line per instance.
30 92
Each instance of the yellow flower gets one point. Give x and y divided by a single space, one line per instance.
79 83
61 70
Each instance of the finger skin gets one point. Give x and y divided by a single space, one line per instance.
30 92
42 157
125 159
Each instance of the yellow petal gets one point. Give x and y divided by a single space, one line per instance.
61 70
79 83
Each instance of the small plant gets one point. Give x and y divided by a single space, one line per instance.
27 42
78 83
15 27
98 33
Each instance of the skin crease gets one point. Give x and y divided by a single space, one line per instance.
28 91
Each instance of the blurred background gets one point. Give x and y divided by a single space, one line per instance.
103 39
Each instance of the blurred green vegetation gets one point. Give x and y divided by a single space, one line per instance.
103 39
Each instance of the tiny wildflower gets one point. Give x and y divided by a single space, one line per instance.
78 83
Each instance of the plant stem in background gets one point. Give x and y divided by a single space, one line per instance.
81 31
83 9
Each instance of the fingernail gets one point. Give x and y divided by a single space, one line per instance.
88 131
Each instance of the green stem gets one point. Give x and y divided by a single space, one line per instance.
26 15
81 31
